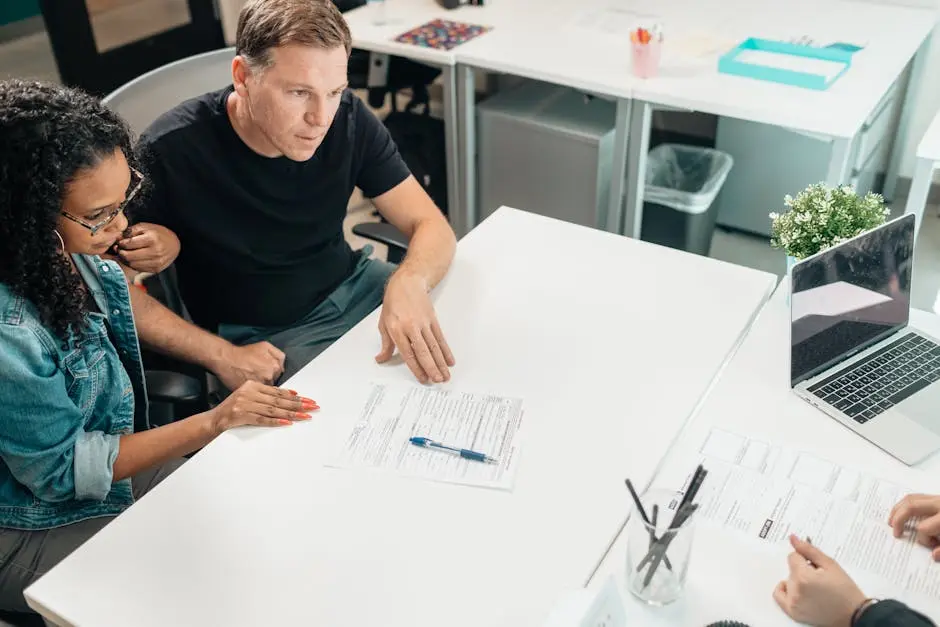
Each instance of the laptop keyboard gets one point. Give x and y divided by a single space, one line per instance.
887 377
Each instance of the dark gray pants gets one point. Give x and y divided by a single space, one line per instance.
354 299
26 555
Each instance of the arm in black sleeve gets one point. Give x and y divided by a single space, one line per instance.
891 613
381 165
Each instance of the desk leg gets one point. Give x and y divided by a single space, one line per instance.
914 81
838 162
639 143
920 188
452 148
614 221
466 219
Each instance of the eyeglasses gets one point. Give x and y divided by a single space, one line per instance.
137 181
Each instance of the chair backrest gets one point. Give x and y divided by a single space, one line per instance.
149 96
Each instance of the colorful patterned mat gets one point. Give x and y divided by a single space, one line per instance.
441 34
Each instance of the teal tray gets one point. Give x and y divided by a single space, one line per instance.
729 63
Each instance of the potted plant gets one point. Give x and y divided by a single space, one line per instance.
822 216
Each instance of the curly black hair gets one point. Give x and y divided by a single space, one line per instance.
48 133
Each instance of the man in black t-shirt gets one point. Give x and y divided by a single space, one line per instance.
255 179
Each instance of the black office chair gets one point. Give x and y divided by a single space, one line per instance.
21 619
385 233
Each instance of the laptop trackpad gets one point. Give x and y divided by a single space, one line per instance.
924 407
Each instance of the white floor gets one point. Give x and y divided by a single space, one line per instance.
32 57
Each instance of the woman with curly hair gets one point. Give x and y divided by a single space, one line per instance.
71 380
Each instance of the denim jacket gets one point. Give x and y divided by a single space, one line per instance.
64 406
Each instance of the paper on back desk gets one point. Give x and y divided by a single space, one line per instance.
697 45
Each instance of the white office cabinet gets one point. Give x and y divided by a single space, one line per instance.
771 162
548 148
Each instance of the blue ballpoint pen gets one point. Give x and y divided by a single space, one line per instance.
465 453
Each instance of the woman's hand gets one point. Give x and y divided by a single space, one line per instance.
924 507
817 592
262 405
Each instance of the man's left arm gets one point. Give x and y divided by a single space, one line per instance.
408 321
165 332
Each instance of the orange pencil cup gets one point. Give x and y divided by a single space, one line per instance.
646 57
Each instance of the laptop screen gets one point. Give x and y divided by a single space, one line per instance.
849 297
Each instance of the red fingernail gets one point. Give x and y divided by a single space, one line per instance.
309 404
302 415
292 392
284 422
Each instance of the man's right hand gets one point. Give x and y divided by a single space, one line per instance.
262 362
926 507
260 405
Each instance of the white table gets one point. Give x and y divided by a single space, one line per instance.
730 578
604 337
543 41
928 158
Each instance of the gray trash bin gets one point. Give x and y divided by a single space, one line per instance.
679 207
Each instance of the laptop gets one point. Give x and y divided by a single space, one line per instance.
853 353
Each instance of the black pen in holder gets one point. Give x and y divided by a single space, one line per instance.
641 512
659 547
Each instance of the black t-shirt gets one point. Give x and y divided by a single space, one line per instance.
261 239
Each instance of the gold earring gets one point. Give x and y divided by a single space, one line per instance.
61 241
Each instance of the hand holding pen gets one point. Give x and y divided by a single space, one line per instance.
817 590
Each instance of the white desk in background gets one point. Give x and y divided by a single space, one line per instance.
525 41
610 342
551 43
546 42
928 158
732 577
892 35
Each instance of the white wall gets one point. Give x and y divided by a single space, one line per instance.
228 14
927 104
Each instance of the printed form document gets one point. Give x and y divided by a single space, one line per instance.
395 412
768 492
